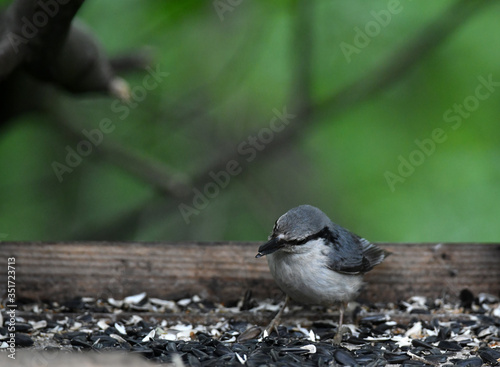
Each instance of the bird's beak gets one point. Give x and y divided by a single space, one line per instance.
274 244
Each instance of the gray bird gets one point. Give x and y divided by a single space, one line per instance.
315 261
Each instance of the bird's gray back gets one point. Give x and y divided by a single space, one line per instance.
350 253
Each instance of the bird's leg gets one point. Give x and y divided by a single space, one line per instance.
276 320
338 336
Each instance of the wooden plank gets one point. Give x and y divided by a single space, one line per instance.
224 271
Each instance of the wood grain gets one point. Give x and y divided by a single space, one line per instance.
224 271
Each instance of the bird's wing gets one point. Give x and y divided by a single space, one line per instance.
350 254
374 254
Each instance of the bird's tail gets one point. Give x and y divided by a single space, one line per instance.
374 254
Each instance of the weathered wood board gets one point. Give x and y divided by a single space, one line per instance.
224 271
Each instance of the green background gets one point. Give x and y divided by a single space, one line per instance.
225 78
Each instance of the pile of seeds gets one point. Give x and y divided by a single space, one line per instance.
417 332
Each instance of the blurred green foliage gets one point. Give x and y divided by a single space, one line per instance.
225 78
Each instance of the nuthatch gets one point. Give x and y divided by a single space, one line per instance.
315 261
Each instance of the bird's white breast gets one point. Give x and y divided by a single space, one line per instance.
304 276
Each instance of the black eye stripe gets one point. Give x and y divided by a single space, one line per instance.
325 233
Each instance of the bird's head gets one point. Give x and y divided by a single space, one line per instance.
294 228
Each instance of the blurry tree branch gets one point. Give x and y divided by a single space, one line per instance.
308 113
300 96
164 179
409 55
302 52
362 89
130 61
124 226
41 45
22 41
181 114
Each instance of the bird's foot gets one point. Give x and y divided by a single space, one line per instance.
340 333
273 325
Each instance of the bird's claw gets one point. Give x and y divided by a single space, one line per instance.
340 333
273 326
338 338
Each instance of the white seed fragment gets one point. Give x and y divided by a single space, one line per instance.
243 359
301 329
133 320
496 312
352 329
115 303
102 324
171 305
118 337
184 302
311 348
196 298
76 326
266 306
120 328
419 300
183 327
216 332
39 324
402 341
63 322
184 335
415 331
135 299
312 336
56 329
486 297
488 331
149 336
168 336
